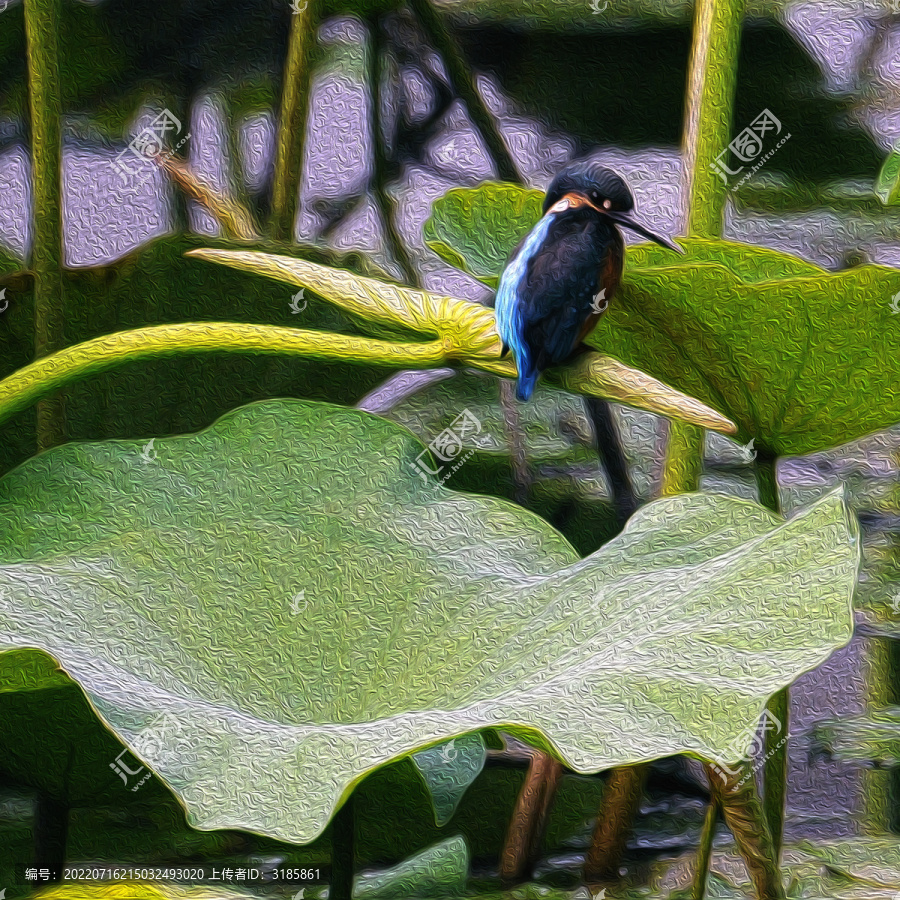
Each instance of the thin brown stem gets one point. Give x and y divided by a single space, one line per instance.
621 800
529 817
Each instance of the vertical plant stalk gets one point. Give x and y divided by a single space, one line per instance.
376 57
878 794
463 85
343 852
529 816
684 459
712 75
612 455
181 105
51 825
704 850
515 439
776 758
51 831
290 134
615 822
237 173
45 105
744 816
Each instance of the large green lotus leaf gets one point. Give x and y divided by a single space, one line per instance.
799 358
800 364
476 230
268 610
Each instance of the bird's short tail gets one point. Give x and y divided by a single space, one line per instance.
527 380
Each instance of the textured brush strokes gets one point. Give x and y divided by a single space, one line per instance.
288 588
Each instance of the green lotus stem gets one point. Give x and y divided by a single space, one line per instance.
45 104
237 173
602 376
290 137
776 762
704 851
684 459
712 76
467 332
736 794
23 388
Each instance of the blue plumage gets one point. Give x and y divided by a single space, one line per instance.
560 279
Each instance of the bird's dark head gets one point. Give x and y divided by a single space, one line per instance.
586 183
601 187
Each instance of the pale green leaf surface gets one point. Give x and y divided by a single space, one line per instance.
300 607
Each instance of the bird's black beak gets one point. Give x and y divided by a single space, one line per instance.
622 219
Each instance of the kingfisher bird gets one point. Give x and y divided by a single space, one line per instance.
561 277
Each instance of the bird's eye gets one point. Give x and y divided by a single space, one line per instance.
607 204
